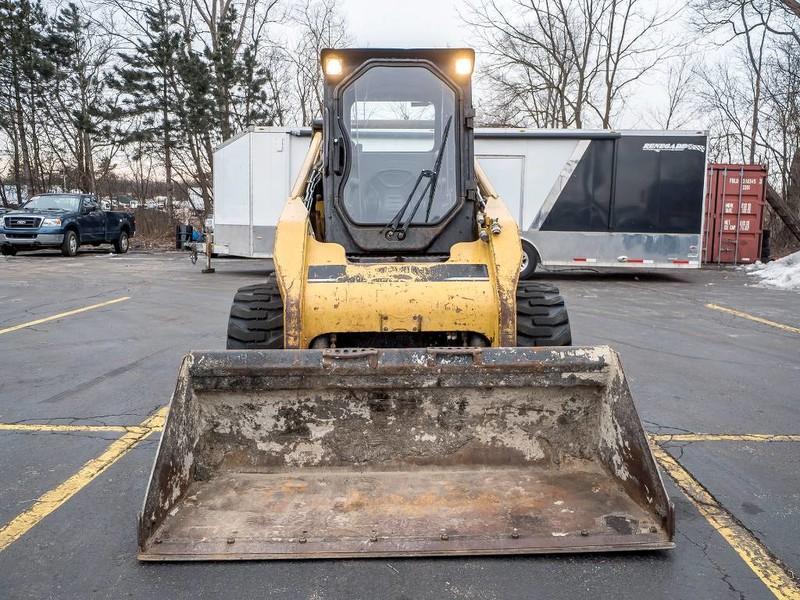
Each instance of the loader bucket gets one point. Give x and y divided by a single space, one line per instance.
402 452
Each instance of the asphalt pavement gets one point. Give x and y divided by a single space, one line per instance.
692 370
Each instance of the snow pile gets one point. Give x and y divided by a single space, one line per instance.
783 274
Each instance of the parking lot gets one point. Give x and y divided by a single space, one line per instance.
89 352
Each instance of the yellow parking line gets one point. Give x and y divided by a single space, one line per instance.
744 315
69 313
768 569
35 428
724 437
50 501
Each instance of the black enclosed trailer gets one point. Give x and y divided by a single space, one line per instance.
629 199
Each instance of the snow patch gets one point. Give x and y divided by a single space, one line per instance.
782 274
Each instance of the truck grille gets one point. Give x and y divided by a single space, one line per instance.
23 222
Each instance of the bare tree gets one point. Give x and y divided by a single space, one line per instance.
753 94
320 26
564 63
680 89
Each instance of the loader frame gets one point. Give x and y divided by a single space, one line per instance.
323 292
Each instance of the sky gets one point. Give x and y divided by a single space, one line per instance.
404 23
436 23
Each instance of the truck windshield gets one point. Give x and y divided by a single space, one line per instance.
395 119
54 202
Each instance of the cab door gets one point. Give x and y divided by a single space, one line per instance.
92 222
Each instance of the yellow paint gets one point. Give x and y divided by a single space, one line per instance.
69 313
747 546
506 258
50 501
744 315
36 428
394 296
724 437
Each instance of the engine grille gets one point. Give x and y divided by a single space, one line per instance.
22 222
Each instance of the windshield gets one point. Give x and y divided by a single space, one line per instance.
54 202
395 119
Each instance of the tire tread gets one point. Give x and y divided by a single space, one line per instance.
256 317
542 318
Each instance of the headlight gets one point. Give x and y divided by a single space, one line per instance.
51 222
464 66
333 66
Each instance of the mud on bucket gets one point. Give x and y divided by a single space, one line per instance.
402 452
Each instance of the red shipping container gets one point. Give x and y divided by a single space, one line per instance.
734 213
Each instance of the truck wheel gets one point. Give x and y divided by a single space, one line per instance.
542 318
8 251
256 319
69 246
122 243
530 260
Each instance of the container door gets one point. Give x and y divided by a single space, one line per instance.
741 206
710 219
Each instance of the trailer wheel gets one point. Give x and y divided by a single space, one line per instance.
256 320
542 318
530 260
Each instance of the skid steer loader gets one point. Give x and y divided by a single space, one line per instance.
393 390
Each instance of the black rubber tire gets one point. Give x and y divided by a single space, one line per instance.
121 245
532 256
256 320
8 251
67 247
542 318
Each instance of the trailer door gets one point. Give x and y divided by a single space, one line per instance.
659 184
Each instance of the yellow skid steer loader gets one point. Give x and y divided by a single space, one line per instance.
394 390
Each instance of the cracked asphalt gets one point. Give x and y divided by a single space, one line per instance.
691 370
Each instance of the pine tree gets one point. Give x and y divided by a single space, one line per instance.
147 80
24 70
81 54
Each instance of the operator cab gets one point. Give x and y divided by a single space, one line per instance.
397 169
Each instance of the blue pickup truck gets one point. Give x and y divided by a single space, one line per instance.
64 221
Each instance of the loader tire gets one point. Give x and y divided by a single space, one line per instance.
256 320
542 318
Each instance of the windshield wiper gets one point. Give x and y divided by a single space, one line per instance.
397 227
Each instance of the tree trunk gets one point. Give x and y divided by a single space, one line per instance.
3 197
27 172
165 126
17 174
89 161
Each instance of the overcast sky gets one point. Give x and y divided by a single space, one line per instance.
436 23
404 23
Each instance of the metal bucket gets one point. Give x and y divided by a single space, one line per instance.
402 452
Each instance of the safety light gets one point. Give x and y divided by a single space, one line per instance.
333 66
464 66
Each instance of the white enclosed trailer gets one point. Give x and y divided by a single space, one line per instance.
630 199
253 173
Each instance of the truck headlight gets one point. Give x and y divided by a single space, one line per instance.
51 222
